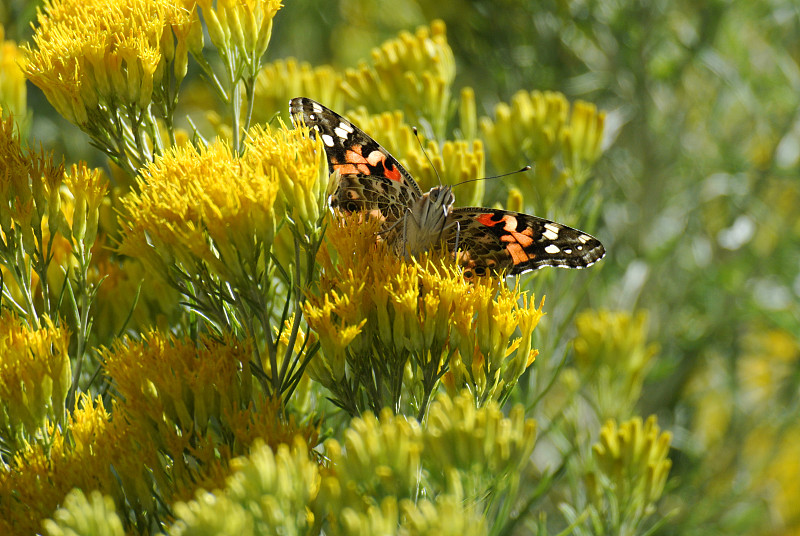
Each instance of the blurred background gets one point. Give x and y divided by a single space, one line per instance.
697 198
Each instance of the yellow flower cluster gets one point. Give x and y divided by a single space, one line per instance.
35 376
383 460
268 493
541 129
375 311
612 356
88 188
459 436
13 93
282 80
415 71
190 390
240 28
208 205
104 54
39 477
196 403
632 465
29 190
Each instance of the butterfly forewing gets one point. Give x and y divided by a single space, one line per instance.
350 151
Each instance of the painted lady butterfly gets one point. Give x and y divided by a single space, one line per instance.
489 240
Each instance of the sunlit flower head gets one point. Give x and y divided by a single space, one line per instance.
240 27
297 164
88 188
376 308
207 205
89 56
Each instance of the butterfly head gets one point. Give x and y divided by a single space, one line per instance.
440 196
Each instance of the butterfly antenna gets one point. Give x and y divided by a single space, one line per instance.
416 135
522 170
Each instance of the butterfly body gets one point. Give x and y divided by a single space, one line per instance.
486 240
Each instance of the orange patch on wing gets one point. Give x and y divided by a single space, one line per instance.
518 254
486 219
393 174
355 162
523 238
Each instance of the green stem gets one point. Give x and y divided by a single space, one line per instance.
82 318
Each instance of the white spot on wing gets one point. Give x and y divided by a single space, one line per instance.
584 238
327 139
550 234
346 127
340 132
316 107
552 249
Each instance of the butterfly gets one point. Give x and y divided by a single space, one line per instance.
487 240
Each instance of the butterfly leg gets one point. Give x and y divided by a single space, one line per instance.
458 233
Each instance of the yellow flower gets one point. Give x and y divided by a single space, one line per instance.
190 386
80 514
282 80
204 205
34 377
613 356
88 188
632 464
89 57
29 187
379 457
13 94
268 491
297 164
422 313
39 477
240 27
481 442
540 129
413 70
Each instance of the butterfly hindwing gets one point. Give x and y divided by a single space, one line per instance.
381 197
493 240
